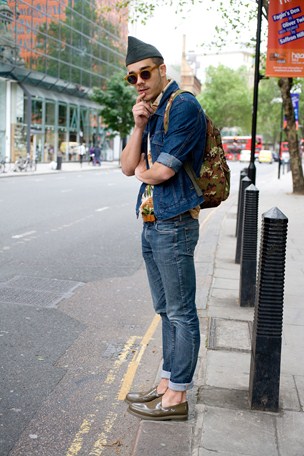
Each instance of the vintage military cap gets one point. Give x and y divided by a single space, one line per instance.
138 50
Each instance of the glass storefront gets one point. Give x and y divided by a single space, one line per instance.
44 126
2 120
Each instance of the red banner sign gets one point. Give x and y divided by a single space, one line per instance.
285 51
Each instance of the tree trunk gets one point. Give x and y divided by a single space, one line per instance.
285 85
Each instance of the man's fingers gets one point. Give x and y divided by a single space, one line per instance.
140 97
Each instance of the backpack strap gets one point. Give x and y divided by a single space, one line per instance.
169 104
187 167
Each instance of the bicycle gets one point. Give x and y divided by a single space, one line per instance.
3 165
25 165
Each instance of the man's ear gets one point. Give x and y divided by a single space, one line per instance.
163 69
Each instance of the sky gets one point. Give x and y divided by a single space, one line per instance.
165 30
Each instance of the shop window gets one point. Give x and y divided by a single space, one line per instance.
49 113
62 115
37 113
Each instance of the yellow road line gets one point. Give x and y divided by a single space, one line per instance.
102 441
121 358
78 440
86 425
130 374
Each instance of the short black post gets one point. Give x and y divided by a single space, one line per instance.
249 247
245 182
265 366
243 173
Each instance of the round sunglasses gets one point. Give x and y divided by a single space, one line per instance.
145 74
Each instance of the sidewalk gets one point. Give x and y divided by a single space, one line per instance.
222 422
46 168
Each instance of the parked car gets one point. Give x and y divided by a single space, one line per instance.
265 156
245 155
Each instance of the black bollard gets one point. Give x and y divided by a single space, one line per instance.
243 173
244 184
249 247
268 319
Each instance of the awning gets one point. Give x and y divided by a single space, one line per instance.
53 95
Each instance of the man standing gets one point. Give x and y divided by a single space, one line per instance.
82 152
169 206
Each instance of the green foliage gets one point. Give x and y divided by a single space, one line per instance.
227 98
117 100
141 10
269 112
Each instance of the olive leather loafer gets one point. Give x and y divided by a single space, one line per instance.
143 397
154 410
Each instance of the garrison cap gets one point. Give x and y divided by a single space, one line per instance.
138 50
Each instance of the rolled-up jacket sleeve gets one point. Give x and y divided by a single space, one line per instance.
170 161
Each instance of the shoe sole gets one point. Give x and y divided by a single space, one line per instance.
159 418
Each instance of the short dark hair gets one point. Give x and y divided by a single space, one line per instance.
158 60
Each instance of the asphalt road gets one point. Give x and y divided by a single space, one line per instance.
77 327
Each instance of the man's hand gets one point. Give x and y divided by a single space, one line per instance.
142 111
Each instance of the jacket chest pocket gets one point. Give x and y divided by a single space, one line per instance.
157 142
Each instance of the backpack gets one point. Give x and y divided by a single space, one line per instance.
214 179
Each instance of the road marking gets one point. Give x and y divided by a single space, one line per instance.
130 374
102 209
78 440
110 419
102 441
121 358
19 236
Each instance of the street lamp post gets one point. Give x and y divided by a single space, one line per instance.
257 77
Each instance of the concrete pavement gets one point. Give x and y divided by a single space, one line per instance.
221 420
50 168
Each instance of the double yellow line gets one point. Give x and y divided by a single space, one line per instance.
127 381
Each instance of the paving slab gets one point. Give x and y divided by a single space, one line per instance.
163 439
228 369
235 432
290 432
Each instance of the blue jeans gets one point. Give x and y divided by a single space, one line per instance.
168 250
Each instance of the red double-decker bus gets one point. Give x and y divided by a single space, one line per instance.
233 145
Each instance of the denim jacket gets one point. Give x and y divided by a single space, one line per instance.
184 140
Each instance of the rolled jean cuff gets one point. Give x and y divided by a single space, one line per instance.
180 386
165 374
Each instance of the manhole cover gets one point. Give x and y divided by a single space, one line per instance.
36 291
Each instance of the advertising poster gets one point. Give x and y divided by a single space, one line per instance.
285 50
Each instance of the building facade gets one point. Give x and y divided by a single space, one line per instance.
52 54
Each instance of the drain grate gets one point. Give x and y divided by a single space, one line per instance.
36 291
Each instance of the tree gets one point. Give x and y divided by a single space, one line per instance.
117 100
231 15
269 121
226 97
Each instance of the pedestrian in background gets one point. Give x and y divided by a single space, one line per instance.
169 206
82 152
97 153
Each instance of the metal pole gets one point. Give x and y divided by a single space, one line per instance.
257 77
280 149
265 368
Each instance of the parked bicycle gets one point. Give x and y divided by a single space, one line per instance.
27 164
3 165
